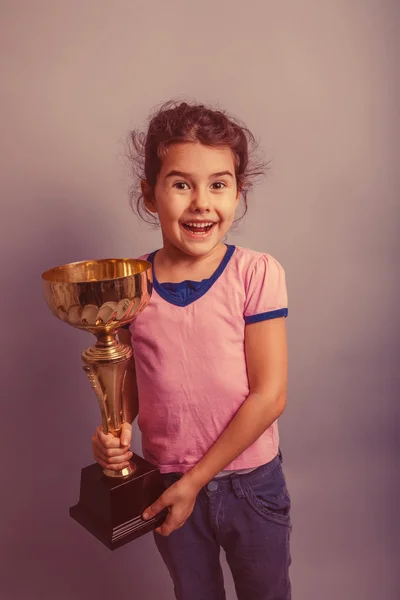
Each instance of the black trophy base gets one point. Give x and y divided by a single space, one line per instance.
111 508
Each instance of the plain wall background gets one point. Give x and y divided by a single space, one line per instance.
317 82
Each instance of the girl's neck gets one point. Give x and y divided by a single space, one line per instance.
173 265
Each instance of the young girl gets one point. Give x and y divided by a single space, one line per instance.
209 365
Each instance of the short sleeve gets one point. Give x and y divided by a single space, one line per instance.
266 294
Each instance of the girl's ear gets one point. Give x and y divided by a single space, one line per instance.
148 196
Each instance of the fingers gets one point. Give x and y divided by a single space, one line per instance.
107 449
155 508
115 463
113 458
108 440
126 434
170 524
105 464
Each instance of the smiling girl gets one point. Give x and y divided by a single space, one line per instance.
208 377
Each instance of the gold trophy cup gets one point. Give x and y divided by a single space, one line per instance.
100 296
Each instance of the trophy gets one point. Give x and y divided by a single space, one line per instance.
100 296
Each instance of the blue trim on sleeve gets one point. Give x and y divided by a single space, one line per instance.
272 314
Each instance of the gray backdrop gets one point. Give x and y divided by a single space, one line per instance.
317 82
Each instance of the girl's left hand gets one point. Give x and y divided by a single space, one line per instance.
179 499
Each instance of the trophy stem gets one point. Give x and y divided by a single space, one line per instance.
105 365
106 340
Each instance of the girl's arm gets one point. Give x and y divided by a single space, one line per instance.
267 358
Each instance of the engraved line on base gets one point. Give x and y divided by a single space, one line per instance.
132 526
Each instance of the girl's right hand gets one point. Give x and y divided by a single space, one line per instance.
112 452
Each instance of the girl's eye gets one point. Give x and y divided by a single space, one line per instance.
180 185
219 185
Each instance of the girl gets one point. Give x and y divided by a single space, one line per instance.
209 365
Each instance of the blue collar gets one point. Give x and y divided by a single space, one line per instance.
202 286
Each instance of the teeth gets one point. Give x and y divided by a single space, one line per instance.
199 224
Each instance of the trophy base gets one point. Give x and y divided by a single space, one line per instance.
111 508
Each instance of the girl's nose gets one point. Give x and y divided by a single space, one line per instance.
200 201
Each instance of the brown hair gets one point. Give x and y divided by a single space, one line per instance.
177 122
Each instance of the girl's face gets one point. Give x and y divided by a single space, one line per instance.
195 197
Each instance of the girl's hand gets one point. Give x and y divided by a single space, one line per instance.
112 452
179 499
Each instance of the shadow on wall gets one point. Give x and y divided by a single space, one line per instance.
51 413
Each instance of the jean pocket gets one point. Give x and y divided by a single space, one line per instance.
269 496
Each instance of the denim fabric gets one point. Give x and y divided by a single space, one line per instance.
249 517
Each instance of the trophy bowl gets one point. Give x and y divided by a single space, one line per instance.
98 295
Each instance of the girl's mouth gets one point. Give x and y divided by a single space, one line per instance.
198 229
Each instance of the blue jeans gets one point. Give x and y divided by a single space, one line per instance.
248 516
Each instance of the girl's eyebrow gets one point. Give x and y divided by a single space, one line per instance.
188 175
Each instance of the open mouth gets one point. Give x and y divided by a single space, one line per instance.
198 228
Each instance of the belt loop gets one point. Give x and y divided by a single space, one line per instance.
237 486
280 455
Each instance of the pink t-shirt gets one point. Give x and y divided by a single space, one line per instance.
190 360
